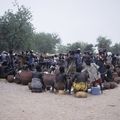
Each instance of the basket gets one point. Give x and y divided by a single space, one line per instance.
81 94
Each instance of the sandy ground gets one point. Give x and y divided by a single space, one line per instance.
18 103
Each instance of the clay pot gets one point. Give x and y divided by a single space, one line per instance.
26 77
10 78
81 94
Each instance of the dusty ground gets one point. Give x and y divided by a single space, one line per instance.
18 103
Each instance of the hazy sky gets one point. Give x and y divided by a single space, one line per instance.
74 20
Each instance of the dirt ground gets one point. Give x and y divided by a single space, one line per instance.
18 103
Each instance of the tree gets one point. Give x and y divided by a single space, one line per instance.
62 48
77 45
103 42
89 47
45 42
116 48
16 29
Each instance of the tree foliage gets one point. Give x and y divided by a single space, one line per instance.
45 42
61 48
17 33
116 48
77 45
89 47
72 47
103 42
16 29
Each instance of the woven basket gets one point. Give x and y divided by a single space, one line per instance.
81 94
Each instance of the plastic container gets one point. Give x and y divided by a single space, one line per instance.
95 90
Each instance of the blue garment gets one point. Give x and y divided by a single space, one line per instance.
78 60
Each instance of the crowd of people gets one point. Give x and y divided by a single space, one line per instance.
79 68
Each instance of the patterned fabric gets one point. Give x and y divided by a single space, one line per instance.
81 86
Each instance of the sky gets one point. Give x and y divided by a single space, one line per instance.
73 20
